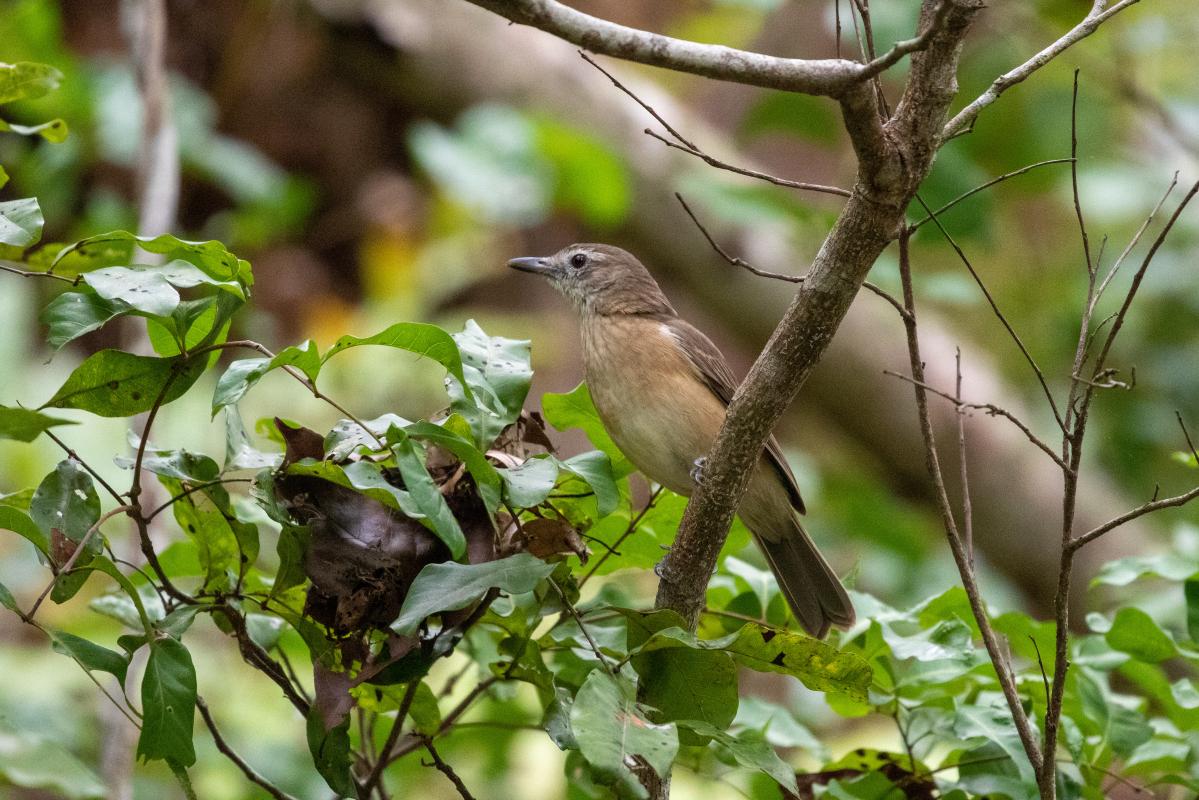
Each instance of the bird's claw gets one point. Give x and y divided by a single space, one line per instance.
697 469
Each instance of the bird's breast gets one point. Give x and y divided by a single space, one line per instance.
650 399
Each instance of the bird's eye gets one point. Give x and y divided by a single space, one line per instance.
578 260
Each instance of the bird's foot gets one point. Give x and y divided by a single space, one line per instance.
697 469
663 567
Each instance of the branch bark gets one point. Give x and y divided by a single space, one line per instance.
890 170
828 77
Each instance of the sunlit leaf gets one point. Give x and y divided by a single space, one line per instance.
21 222
27 80
1134 632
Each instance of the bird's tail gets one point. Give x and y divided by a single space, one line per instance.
813 591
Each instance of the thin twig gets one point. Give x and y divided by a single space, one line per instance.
749 173
628 531
1140 511
967 509
583 628
778 276
250 773
963 121
991 410
1133 242
1187 435
446 769
393 736
79 548
969 582
71 454
1005 176
998 313
11 266
192 489
901 48
1082 225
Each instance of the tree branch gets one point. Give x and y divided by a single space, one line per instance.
232 755
1139 511
827 77
1099 14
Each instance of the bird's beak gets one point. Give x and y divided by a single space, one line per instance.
538 266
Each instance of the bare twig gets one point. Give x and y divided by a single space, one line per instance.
11 266
628 531
446 769
1003 672
79 548
902 48
998 313
1133 242
191 490
1082 225
574 612
1005 176
1187 435
991 410
393 736
778 276
963 121
967 509
251 774
1140 511
71 454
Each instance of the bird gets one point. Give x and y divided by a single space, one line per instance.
662 388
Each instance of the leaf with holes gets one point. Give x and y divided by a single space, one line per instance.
113 383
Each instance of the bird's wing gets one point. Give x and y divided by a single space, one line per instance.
711 368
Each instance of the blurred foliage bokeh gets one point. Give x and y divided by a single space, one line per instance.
366 192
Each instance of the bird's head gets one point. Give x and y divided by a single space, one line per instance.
599 279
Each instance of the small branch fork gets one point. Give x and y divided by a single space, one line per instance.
1073 427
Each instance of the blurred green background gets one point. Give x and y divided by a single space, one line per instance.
380 161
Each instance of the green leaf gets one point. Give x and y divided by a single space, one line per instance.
682 683
21 222
226 546
237 380
428 341
89 654
1134 632
450 586
113 383
486 476
365 477
7 600
25 425
750 751
182 465
1171 566
1191 593
143 289
576 410
54 130
590 179
26 80
994 725
497 376
529 484
168 704
819 665
72 314
610 726
239 452
330 750
66 500
42 765
427 495
596 469
116 248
